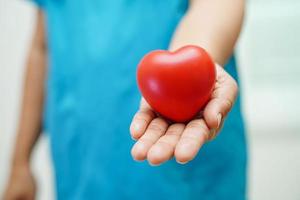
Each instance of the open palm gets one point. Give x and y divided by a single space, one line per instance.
158 140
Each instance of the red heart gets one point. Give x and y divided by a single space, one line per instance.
177 84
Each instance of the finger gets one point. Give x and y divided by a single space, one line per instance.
141 120
222 100
215 132
155 130
164 148
193 137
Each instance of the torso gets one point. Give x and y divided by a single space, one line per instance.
94 48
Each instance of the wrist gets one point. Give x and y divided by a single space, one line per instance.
20 163
17 170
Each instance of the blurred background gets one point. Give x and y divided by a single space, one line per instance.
269 57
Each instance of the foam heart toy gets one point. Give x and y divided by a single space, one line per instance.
178 84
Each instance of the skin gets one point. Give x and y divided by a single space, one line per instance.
21 184
218 26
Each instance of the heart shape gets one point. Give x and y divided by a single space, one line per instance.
177 85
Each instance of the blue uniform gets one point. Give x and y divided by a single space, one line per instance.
91 95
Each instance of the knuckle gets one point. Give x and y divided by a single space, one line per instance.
148 113
190 139
142 116
203 129
175 129
170 139
158 124
227 103
166 144
224 105
194 124
172 132
146 140
196 130
155 127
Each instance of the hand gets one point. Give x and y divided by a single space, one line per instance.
21 184
158 140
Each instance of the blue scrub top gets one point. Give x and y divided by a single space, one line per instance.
91 95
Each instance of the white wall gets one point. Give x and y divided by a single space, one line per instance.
269 54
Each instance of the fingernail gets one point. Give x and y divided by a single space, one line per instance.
182 163
213 133
153 165
133 138
219 117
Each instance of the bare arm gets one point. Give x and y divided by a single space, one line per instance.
21 184
212 24
32 104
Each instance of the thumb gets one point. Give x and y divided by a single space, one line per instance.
222 100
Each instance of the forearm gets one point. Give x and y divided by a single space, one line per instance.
212 24
32 103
